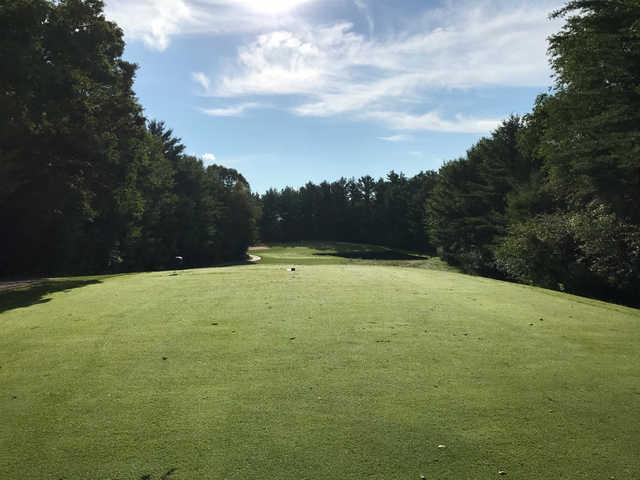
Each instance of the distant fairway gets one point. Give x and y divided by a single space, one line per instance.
352 367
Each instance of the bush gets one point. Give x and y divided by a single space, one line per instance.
591 252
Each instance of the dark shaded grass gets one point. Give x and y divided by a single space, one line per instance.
36 293
372 255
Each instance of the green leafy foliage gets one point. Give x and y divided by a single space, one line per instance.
85 186
466 213
590 252
591 144
385 211
554 200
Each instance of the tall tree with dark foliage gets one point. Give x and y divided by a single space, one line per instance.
589 142
386 212
85 186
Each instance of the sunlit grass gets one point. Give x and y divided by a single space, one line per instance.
342 371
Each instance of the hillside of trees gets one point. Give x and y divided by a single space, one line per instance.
86 183
550 199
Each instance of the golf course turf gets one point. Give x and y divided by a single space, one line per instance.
354 366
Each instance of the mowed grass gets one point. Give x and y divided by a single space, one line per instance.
343 371
340 253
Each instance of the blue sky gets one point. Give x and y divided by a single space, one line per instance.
288 91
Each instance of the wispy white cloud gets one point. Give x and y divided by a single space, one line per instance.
396 138
156 22
333 69
202 80
364 8
336 70
285 62
269 7
232 111
152 21
432 121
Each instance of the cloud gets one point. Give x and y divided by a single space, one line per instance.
152 21
334 70
284 62
270 7
202 80
362 6
232 111
156 22
477 47
432 121
208 158
396 138
356 96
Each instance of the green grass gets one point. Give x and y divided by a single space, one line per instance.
349 370
341 253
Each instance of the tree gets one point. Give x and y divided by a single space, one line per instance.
467 208
71 137
85 184
586 194
592 142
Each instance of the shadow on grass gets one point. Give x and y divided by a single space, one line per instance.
167 476
359 255
367 252
25 296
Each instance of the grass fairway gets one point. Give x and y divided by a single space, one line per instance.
344 369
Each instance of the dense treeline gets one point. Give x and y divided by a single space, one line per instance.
550 199
385 211
86 184
554 199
